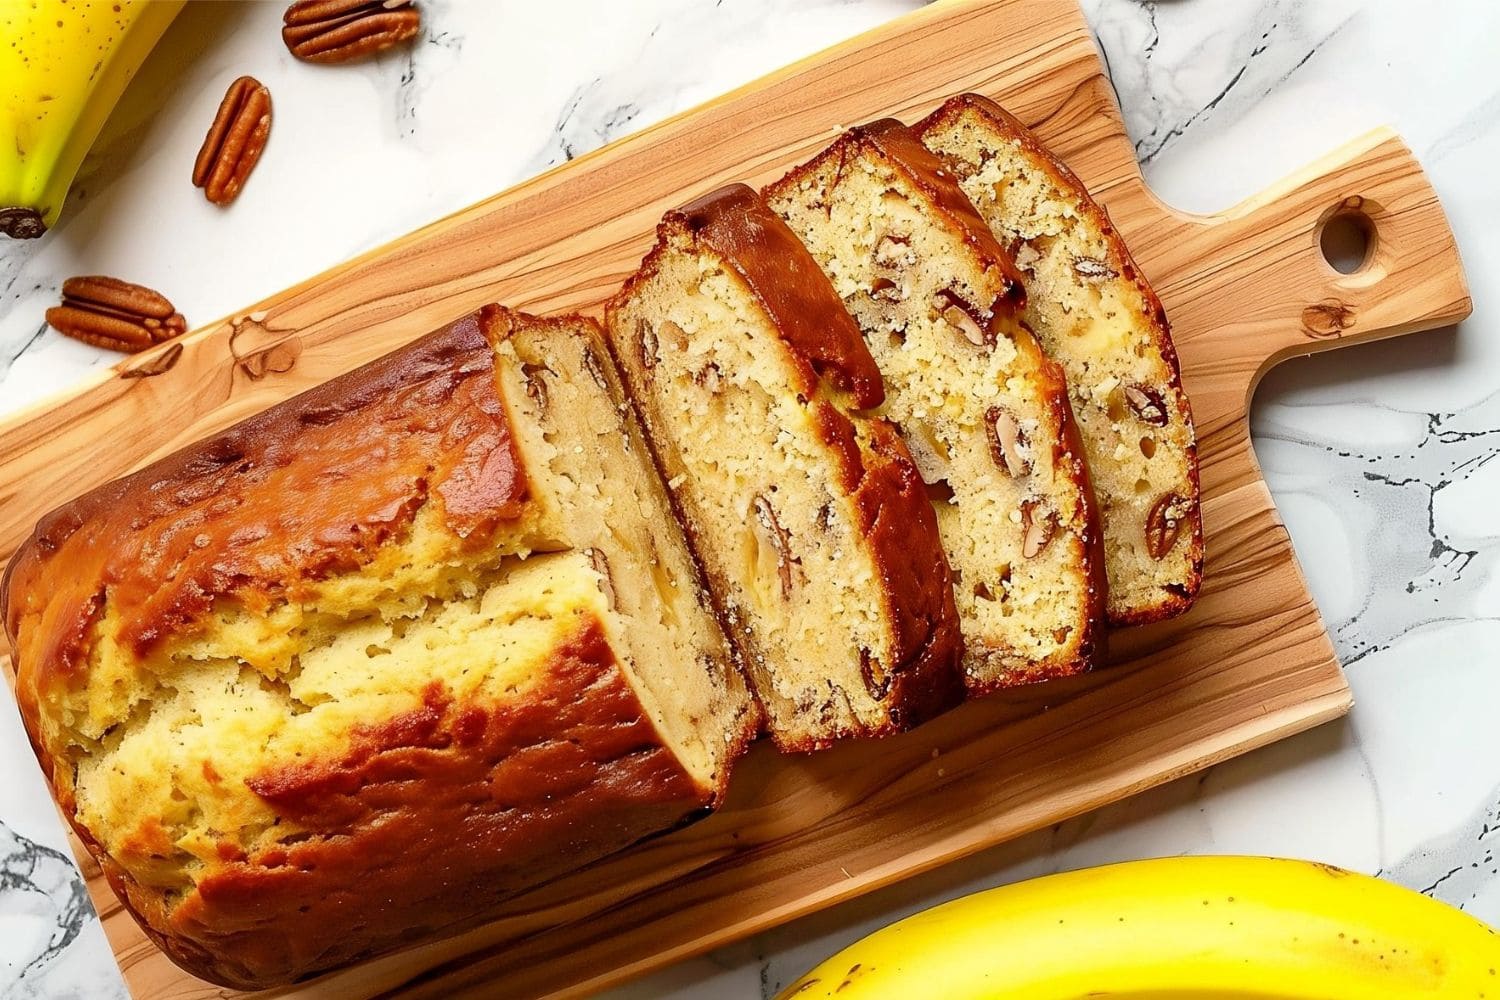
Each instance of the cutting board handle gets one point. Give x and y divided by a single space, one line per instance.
1265 265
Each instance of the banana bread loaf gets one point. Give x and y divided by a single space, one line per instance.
1096 316
359 667
807 512
984 411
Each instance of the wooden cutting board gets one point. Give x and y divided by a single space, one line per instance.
1250 664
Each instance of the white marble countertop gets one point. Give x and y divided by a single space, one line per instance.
1381 459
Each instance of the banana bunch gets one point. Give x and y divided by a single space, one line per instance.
1181 928
63 65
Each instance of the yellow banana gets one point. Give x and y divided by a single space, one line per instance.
1175 929
63 65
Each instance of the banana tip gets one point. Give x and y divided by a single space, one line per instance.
21 223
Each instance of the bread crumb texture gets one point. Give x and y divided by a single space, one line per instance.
396 684
1096 316
976 401
165 748
768 493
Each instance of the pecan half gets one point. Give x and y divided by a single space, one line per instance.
709 378
677 339
594 368
234 142
877 681
1147 404
963 318
645 338
1040 524
114 314
824 518
535 387
1164 524
771 535
340 31
1008 443
601 566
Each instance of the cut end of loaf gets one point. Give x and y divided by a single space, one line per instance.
520 632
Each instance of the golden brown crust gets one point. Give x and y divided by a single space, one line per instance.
899 146
420 821
735 225
902 530
249 513
424 822
1003 122
756 242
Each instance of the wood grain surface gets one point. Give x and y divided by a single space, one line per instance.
1250 664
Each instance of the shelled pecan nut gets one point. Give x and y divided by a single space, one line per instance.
1093 269
772 537
114 314
234 142
1008 445
1039 524
339 31
964 318
1147 404
1164 524
649 344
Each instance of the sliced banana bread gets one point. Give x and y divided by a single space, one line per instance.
1096 316
809 517
359 667
984 411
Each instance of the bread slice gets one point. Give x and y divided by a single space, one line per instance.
591 470
808 514
983 409
1096 316
359 667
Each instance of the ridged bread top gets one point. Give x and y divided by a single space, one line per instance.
264 510
294 671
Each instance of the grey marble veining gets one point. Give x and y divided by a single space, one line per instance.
1411 482
1458 866
1187 68
31 869
52 946
1382 459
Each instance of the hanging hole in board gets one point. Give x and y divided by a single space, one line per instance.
1348 241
